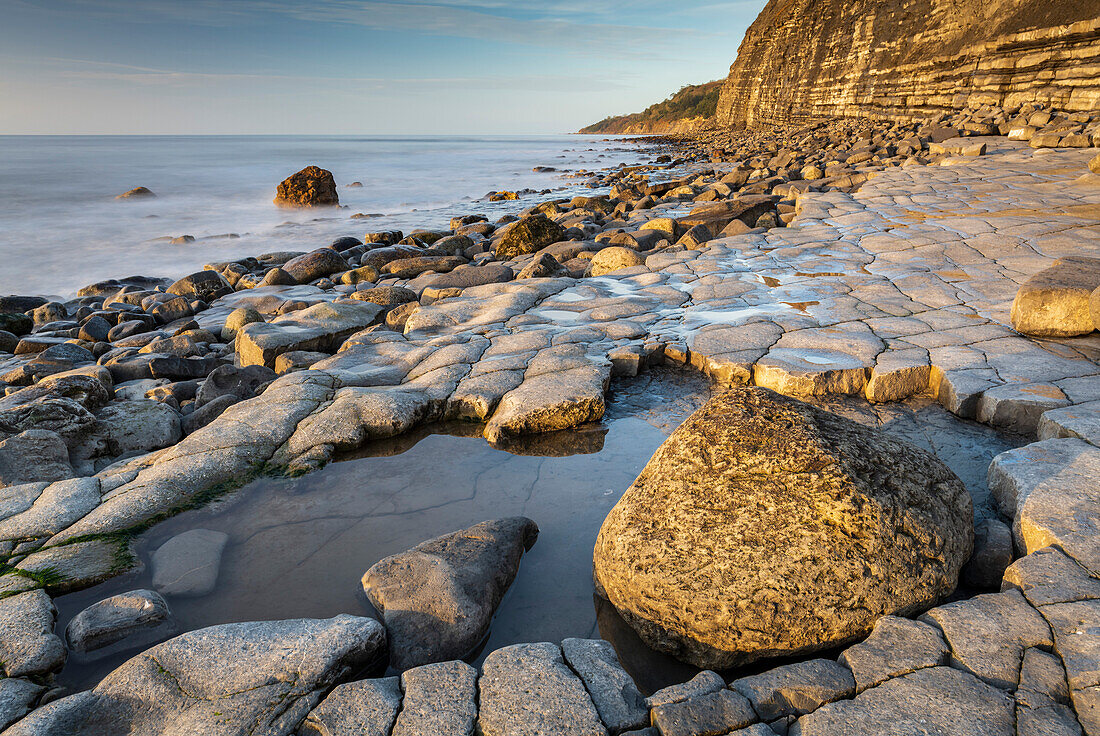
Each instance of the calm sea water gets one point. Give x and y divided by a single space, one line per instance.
61 228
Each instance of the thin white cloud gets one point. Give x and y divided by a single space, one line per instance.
564 24
89 70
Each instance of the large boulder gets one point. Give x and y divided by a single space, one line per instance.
767 527
1055 301
529 235
615 258
310 187
438 598
28 645
187 565
260 677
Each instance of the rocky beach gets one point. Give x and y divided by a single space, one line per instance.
788 424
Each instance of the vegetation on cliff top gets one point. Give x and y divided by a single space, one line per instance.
691 102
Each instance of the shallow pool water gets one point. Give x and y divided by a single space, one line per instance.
299 547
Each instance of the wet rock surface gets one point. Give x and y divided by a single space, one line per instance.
438 598
115 619
187 564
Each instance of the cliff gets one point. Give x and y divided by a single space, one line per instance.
810 59
683 112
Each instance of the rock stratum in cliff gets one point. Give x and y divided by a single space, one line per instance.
810 59
682 113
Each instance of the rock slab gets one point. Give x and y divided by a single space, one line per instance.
438 598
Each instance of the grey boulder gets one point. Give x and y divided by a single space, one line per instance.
139 425
28 645
33 455
528 689
438 598
16 698
362 708
129 616
260 677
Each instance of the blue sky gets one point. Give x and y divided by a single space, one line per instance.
351 66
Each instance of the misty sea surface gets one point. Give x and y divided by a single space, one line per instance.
61 227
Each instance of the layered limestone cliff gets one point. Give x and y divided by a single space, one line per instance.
809 59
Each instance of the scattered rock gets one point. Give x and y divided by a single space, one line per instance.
362 708
530 234
896 646
57 506
938 700
127 616
562 388
439 698
619 703
204 285
704 683
1055 301
188 563
137 193
16 698
237 319
438 598
33 455
69 567
139 425
228 380
989 633
317 264
615 258
705 715
796 689
322 326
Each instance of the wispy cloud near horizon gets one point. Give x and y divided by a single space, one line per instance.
514 66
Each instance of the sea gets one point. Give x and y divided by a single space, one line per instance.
61 226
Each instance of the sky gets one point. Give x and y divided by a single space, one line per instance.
194 67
